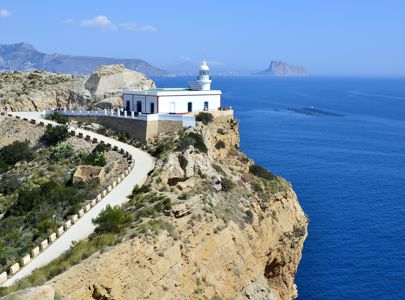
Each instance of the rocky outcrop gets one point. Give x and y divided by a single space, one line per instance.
280 68
233 234
38 90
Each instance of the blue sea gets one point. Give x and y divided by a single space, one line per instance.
341 143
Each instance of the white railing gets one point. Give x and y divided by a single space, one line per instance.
188 121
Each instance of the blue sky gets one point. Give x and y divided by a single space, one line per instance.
345 37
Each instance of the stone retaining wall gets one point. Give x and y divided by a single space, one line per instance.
26 259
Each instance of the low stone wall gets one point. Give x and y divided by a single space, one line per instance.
26 259
139 129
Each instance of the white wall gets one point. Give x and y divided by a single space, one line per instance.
181 103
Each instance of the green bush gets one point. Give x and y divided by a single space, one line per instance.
3 166
196 140
62 150
96 158
54 135
204 117
15 152
9 184
261 172
111 220
227 184
58 118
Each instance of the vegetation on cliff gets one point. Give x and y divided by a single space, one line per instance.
207 224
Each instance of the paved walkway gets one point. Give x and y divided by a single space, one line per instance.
84 227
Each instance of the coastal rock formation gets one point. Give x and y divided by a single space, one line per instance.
38 90
230 232
280 68
24 57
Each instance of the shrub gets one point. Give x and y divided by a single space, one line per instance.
16 152
220 145
56 134
261 172
3 166
161 149
204 117
196 140
62 150
9 184
58 118
227 184
140 190
111 220
96 158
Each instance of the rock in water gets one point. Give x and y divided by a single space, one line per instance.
280 68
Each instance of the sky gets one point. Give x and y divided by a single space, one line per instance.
334 37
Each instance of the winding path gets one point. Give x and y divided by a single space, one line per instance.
84 226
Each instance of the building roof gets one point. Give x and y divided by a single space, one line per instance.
171 92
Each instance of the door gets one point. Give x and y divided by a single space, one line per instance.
128 106
152 108
139 106
205 105
172 109
190 106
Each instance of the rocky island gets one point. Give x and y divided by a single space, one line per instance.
207 224
280 68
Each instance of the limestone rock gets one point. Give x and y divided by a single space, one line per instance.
39 90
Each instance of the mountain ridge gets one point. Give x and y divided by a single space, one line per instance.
24 57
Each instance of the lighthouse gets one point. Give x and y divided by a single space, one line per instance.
204 82
197 97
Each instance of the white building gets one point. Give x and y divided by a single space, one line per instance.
198 97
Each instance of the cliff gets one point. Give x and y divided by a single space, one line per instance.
39 90
209 223
24 57
280 68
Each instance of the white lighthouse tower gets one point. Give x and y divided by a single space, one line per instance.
204 82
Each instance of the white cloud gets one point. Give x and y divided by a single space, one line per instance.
69 21
104 22
135 27
5 13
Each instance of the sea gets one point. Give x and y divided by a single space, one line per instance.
341 143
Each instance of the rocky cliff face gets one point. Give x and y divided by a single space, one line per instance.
280 68
38 90
231 232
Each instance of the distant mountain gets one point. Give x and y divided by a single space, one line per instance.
280 68
24 57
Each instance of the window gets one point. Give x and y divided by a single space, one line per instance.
139 106
190 106
128 106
